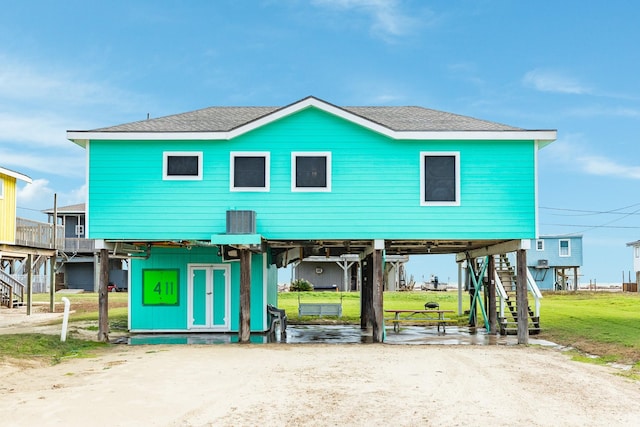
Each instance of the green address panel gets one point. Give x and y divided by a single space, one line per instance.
160 287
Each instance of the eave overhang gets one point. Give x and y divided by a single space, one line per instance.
543 137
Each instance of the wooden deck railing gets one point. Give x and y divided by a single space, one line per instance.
10 289
38 234
79 244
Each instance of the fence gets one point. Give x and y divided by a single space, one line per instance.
38 234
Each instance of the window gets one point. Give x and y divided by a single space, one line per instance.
249 171
311 171
565 248
182 165
540 245
1 188
636 251
439 179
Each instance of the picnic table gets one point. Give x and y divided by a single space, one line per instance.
434 317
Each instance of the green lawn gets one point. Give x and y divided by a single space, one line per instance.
351 303
606 324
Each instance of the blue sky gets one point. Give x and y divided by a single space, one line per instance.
566 65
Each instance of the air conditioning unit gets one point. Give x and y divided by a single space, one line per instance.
543 263
241 222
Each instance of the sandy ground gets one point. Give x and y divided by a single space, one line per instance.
317 385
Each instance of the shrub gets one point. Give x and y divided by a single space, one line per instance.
301 285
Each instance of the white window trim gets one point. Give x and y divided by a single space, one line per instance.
456 155
568 248
267 170
165 157
1 188
636 251
296 154
541 248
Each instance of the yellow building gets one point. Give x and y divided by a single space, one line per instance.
8 183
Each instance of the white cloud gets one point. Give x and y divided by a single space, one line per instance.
34 193
38 196
386 15
554 81
600 165
61 162
41 129
44 82
564 152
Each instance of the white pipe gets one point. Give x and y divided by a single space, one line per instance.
65 319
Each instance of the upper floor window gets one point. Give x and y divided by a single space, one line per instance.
250 171
565 247
311 171
1 188
636 250
439 178
182 165
540 245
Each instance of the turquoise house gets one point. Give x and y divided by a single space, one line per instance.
209 203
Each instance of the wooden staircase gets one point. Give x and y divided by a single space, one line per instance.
11 291
508 314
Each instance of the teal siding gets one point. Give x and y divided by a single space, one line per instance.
174 318
375 187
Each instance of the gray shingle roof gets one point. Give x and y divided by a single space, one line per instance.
78 208
224 119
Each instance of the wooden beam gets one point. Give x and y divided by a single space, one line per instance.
29 282
499 248
53 260
522 298
377 320
244 330
491 305
103 297
366 294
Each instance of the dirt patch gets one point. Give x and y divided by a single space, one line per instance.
319 384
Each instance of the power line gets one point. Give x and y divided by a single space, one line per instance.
583 212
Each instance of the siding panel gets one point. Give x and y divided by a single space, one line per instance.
375 187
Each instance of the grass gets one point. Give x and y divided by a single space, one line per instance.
351 303
44 347
605 324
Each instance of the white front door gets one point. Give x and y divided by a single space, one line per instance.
209 302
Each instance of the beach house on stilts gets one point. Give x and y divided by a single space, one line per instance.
209 203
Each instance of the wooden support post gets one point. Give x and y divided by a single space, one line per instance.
103 297
377 319
52 260
491 306
366 300
522 298
244 330
29 282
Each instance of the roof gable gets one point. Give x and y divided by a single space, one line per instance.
393 122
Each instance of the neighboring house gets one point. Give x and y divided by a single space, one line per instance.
342 273
217 199
77 263
554 262
636 259
21 240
